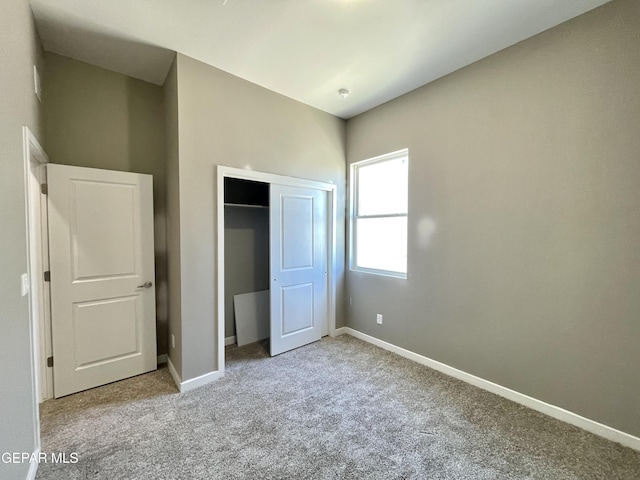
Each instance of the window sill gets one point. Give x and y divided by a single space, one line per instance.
381 273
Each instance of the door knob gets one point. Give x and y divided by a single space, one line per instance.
146 285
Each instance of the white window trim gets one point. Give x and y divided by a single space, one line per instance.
352 213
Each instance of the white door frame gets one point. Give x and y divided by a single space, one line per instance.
34 160
223 172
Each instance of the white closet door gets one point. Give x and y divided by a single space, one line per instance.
102 269
298 265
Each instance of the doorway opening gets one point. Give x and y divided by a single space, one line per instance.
241 197
104 333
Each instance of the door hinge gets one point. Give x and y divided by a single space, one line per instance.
44 188
47 276
49 362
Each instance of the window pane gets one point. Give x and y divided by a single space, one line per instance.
382 187
381 243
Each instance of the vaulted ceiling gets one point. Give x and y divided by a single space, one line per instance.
304 49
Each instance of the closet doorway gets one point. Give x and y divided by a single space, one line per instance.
287 226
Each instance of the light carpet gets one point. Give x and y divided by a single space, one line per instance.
335 409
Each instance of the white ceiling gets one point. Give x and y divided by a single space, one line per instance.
304 49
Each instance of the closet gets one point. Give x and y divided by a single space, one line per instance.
275 236
246 238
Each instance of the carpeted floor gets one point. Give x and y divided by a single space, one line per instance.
336 409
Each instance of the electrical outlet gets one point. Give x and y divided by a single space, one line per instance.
379 319
173 341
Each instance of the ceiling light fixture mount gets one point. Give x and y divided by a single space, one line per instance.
344 92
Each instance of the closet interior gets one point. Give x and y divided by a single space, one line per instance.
246 257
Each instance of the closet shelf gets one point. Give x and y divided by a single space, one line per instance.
244 205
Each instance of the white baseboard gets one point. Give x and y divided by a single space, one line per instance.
230 340
162 359
192 383
339 331
174 373
33 466
556 412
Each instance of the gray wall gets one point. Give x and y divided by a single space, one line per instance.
173 215
246 256
524 201
224 120
19 51
102 119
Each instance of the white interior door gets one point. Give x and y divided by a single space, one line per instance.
102 268
298 264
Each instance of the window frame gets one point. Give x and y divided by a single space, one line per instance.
353 212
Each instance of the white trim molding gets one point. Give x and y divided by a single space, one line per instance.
162 359
553 411
33 466
174 373
229 341
340 331
192 383
34 159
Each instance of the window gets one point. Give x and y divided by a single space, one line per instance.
379 206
